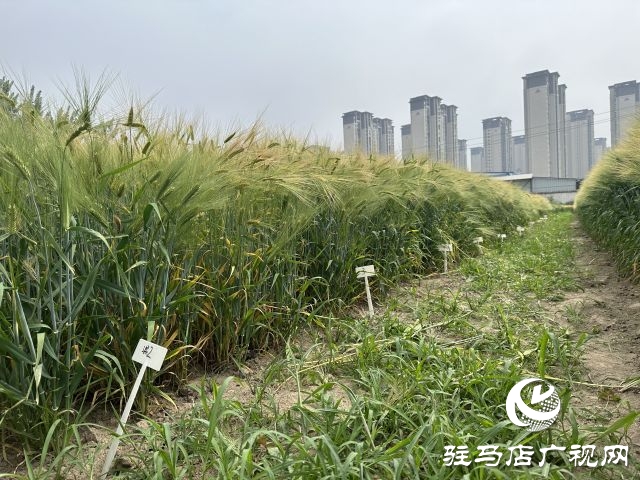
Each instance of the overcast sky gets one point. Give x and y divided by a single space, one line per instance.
300 64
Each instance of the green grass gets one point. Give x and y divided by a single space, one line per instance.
381 398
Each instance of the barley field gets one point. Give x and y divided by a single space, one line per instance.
115 229
223 247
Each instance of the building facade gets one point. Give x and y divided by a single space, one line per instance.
599 148
476 159
450 122
367 134
426 126
497 144
519 154
359 133
407 145
579 141
561 132
544 124
462 155
624 99
434 129
385 132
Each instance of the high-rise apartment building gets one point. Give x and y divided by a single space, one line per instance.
477 159
624 99
367 134
519 154
544 123
407 146
562 139
497 144
579 141
462 155
450 122
599 148
359 132
384 131
426 126
434 129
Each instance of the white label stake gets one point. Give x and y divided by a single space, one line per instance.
502 237
520 230
366 272
478 241
444 248
149 355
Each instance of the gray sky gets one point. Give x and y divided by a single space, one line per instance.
301 64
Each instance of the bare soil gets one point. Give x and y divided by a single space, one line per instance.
608 310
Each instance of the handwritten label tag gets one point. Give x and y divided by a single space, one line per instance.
446 247
365 271
477 240
149 353
502 236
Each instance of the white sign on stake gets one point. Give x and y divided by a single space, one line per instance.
478 241
444 248
502 236
520 229
365 272
149 355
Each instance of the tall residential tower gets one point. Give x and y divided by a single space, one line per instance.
519 154
599 148
427 130
544 124
367 134
358 131
476 159
497 144
462 155
407 146
579 131
434 129
624 99
450 115
384 131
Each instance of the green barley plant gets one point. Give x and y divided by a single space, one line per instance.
116 228
386 396
608 204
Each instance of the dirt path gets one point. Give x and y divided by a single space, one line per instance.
609 311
